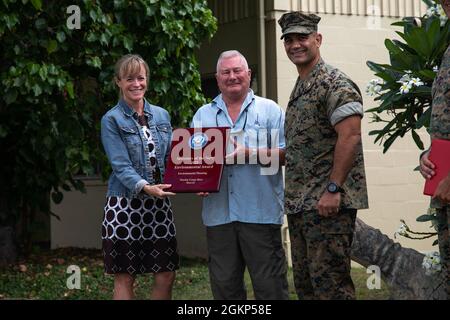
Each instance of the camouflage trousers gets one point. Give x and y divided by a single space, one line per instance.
443 215
320 249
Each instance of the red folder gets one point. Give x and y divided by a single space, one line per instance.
440 156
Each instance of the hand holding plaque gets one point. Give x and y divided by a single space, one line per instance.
196 159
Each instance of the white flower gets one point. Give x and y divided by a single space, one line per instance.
415 82
402 230
442 15
406 77
437 10
373 87
432 263
436 69
375 81
405 88
432 11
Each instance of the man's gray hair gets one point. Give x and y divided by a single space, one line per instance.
230 54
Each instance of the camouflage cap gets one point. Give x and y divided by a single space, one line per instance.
297 22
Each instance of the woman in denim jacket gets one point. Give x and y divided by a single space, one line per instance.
138 231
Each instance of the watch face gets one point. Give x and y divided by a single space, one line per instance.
332 187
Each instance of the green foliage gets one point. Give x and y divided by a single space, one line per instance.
404 86
57 83
43 276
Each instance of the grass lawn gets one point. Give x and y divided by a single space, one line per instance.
43 276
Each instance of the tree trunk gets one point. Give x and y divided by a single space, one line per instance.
8 250
401 268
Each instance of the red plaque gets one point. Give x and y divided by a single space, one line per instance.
439 155
196 159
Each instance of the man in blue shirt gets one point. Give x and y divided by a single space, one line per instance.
243 221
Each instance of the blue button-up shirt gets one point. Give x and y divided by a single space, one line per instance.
247 193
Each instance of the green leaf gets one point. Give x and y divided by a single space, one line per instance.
40 23
417 140
3 132
427 74
34 68
424 119
57 197
61 36
429 3
60 83
43 72
423 91
10 21
93 15
128 43
95 62
91 37
398 23
36 89
387 144
424 218
392 47
79 185
69 88
10 96
418 40
37 4
85 155
103 39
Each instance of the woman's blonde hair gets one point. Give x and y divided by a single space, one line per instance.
129 64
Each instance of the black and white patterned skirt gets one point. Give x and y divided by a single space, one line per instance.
138 236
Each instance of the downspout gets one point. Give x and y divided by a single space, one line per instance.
262 49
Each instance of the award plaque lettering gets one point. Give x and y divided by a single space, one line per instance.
196 159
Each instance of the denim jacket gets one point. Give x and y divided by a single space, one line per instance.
123 141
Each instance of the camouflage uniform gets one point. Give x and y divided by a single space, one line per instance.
440 129
320 246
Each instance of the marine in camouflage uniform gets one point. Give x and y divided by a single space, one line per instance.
440 129
320 244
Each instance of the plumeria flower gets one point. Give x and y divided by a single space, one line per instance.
432 11
416 82
373 87
441 14
375 81
437 11
432 263
405 88
406 77
402 231
436 69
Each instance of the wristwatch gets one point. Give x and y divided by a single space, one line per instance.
332 187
